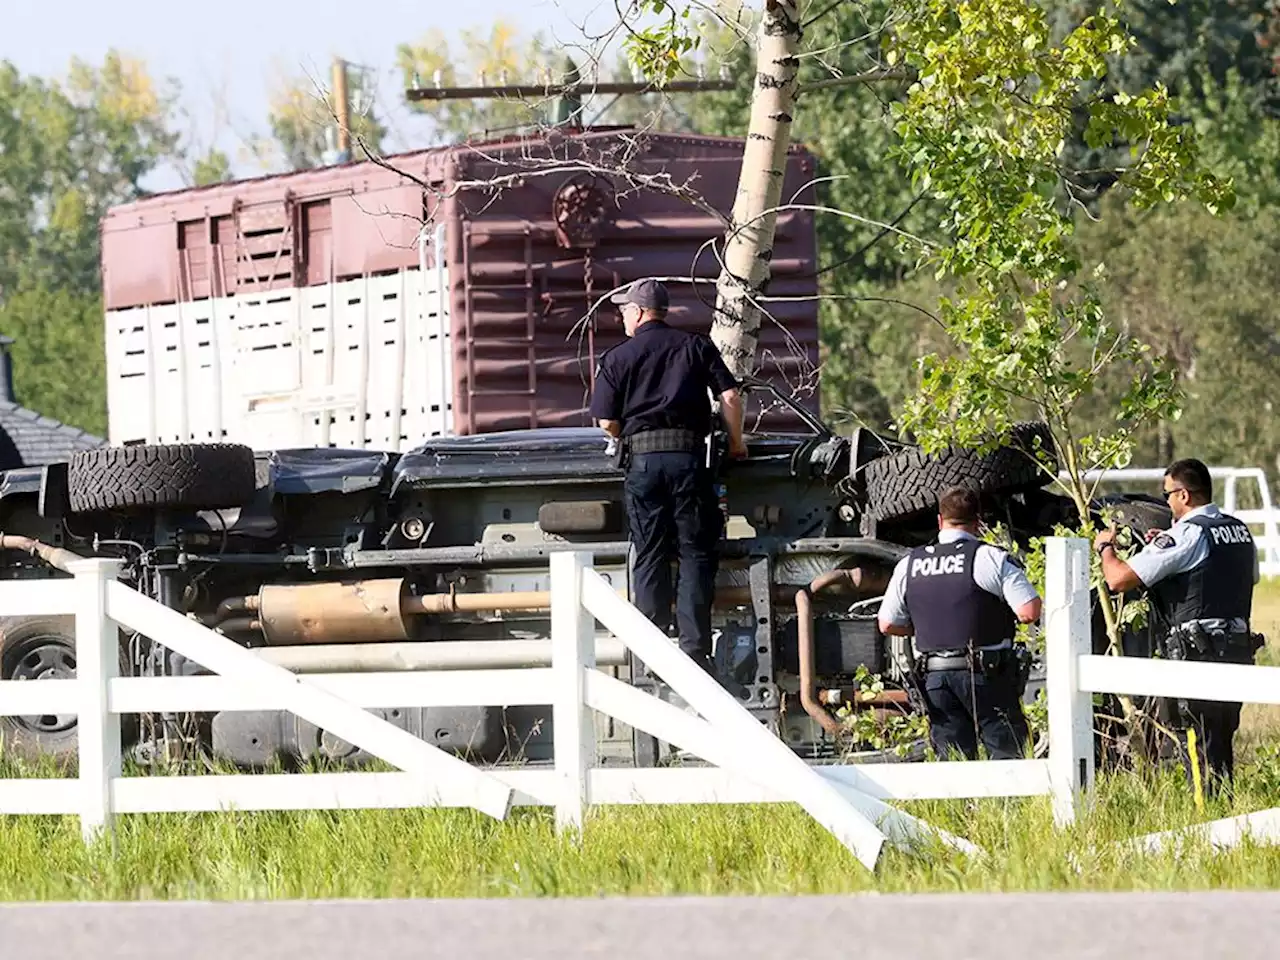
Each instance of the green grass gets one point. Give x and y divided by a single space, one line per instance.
652 851
631 851
1261 723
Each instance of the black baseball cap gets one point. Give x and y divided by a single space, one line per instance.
647 293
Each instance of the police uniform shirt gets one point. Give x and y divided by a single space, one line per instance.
993 571
658 379
1180 549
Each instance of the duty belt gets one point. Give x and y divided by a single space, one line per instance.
946 661
666 440
959 659
1205 639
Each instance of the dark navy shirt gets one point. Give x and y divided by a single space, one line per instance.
659 379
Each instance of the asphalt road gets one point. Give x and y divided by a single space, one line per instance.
946 927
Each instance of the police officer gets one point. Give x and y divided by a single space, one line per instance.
1199 576
962 599
653 393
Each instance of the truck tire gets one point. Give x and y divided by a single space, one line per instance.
909 481
1139 514
196 476
44 648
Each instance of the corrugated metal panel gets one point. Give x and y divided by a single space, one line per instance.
522 355
244 236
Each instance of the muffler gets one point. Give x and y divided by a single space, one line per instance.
363 611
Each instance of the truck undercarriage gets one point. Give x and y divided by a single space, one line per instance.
337 561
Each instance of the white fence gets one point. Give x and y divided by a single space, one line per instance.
748 764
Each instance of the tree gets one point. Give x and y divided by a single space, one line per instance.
1202 291
775 66
748 246
1185 46
501 56
213 167
744 272
1188 44
78 147
303 114
983 130
72 148
1239 139
59 363
848 127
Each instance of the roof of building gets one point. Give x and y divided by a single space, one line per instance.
28 439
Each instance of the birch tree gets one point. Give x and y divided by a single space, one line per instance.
748 242
748 245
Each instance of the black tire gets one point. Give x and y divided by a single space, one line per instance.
1139 514
44 648
909 481
195 476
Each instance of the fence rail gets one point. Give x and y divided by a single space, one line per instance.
745 763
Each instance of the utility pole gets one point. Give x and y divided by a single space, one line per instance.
569 104
342 108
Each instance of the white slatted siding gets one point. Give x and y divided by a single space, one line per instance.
363 363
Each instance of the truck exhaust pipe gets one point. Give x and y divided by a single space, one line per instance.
365 611
56 557
433 655
372 611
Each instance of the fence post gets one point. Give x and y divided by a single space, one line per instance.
1068 635
573 649
97 664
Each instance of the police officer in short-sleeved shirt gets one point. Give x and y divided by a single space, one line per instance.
653 393
963 599
1200 576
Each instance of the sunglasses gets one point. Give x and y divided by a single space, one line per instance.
1170 493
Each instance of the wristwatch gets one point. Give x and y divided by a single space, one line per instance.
1104 546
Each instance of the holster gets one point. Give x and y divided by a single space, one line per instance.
1193 641
915 683
990 663
1022 659
622 454
1005 664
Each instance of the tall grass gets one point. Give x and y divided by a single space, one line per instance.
631 851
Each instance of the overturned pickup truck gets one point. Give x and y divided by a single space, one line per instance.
329 560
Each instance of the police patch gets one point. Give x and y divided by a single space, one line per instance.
1163 541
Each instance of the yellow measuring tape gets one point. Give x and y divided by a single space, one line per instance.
1195 767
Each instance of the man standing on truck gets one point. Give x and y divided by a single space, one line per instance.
652 393
1200 576
963 599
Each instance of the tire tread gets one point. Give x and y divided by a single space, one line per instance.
909 482
195 476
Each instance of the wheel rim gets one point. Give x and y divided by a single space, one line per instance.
42 657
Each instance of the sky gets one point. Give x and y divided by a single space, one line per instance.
229 51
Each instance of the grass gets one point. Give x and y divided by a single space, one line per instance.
625 851
642 851
1260 723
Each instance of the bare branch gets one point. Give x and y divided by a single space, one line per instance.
834 211
822 13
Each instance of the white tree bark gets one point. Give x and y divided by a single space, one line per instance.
748 248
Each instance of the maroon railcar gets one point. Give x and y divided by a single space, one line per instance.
444 291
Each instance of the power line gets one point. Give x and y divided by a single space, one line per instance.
531 90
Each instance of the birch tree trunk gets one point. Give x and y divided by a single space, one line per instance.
735 329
